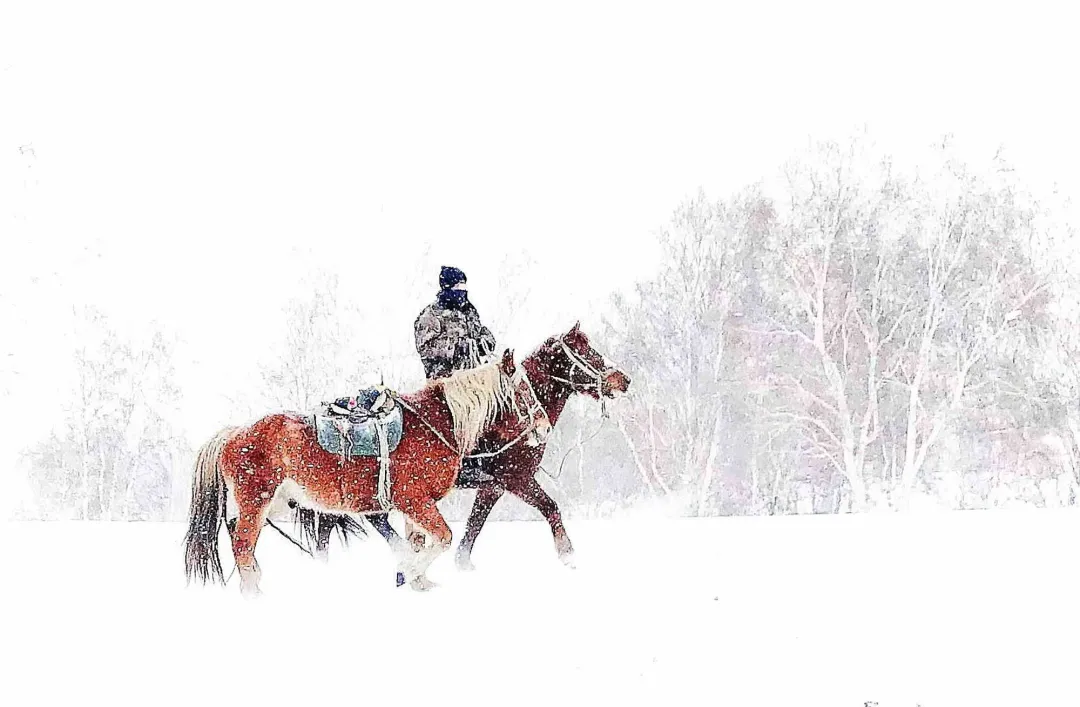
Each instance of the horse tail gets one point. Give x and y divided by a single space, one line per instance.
207 510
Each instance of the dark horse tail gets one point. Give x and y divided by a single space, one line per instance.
207 510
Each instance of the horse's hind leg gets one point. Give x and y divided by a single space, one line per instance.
244 535
427 516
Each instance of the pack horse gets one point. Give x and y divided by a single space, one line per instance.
406 457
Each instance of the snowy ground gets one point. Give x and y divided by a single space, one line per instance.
956 609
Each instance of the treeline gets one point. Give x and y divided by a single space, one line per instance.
115 452
857 337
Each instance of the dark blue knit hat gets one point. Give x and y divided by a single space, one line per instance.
449 277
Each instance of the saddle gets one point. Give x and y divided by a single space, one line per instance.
366 425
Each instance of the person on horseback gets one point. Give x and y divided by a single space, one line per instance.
449 334
450 337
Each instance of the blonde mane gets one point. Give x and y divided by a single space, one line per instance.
475 397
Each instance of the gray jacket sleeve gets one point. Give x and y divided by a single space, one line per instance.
429 342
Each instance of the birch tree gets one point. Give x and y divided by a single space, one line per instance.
982 294
833 263
676 331
894 294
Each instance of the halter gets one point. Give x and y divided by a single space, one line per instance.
589 370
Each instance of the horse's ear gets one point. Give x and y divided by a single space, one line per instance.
576 328
508 360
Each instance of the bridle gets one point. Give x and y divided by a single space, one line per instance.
596 377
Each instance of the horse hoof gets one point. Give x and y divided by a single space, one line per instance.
400 579
568 560
422 584
465 564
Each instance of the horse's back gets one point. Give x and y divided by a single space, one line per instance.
257 443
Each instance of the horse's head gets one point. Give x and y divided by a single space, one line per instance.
532 419
586 370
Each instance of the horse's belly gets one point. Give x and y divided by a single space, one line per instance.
290 490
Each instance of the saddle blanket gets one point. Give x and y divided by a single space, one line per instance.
360 439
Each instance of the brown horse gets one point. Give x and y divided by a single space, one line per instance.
279 458
561 367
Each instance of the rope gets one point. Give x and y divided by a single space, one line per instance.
382 492
288 537
342 426
577 446
411 409
500 450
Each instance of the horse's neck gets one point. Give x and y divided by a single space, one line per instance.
551 394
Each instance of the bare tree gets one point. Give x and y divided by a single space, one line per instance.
114 454
323 353
832 260
897 292
678 331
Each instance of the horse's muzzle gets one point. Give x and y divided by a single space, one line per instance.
537 437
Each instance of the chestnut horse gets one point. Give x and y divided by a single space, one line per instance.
278 458
560 368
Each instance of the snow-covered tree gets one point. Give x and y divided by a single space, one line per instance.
116 446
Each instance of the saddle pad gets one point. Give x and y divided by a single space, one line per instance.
362 437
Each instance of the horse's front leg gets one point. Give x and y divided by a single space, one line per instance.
486 497
528 489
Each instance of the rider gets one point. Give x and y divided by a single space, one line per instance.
449 334
450 337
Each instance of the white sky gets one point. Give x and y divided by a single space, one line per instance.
194 164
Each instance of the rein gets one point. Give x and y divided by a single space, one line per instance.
577 447
284 534
533 407
453 448
577 361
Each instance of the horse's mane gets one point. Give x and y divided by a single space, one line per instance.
475 397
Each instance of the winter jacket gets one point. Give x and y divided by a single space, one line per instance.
451 340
